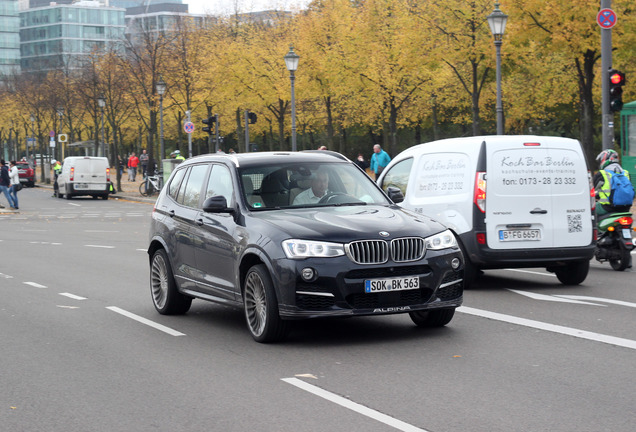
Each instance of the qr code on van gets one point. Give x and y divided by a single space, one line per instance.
574 223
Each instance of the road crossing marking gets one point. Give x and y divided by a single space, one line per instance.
72 296
349 404
531 272
145 321
569 331
34 284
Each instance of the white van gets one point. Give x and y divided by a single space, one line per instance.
84 175
514 201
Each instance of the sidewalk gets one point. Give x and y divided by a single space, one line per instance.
130 191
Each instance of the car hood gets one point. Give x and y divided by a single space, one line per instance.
349 223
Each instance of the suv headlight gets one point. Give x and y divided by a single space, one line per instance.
445 239
297 249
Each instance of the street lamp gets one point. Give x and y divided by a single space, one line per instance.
291 61
497 22
32 135
60 113
101 101
161 89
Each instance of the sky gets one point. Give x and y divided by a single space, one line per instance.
226 7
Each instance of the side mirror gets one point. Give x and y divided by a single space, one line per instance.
395 194
216 204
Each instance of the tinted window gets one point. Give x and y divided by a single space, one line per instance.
189 194
398 176
220 183
173 188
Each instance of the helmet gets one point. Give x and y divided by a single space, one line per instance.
175 153
607 157
53 161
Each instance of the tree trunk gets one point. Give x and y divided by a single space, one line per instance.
585 74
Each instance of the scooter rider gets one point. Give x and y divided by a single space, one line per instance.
608 164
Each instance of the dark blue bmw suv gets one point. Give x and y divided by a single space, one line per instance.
288 236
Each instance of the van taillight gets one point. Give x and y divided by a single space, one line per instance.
480 191
592 192
107 174
532 144
72 176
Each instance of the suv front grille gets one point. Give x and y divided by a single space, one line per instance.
377 251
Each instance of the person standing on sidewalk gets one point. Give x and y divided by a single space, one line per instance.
143 160
379 160
5 183
14 175
133 162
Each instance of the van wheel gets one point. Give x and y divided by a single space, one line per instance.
105 197
432 318
165 295
261 307
573 273
68 196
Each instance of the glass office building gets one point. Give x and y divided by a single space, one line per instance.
62 36
9 38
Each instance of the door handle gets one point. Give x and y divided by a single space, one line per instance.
171 213
199 222
538 211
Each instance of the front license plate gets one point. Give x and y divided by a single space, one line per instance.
519 235
627 233
391 284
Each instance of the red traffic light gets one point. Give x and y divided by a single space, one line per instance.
617 77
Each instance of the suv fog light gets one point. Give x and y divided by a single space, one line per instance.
455 263
308 274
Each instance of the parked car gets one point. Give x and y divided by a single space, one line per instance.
232 229
84 175
26 173
513 201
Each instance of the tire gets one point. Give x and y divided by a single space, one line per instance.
105 197
261 307
573 273
622 263
68 196
142 189
432 318
163 288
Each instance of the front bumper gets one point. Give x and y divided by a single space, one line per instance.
338 290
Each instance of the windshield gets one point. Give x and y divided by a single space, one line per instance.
308 185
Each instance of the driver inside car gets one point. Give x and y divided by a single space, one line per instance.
318 189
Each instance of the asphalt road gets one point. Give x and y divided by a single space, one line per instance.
84 350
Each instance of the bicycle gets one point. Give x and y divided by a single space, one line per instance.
151 185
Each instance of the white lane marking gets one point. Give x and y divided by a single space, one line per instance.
596 337
67 217
73 204
531 272
73 296
5 276
100 231
34 284
599 299
145 321
545 297
68 307
101 246
361 409
142 250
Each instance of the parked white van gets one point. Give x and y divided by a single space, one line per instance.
514 201
84 175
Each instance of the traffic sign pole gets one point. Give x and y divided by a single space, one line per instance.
606 20
191 127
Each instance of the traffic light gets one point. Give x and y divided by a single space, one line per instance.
616 83
210 125
252 117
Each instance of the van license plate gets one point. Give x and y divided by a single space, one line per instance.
519 235
79 186
391 284
627 233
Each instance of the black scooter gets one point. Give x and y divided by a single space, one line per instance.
615 242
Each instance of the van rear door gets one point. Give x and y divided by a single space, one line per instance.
537 194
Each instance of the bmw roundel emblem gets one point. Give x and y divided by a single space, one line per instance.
384 234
